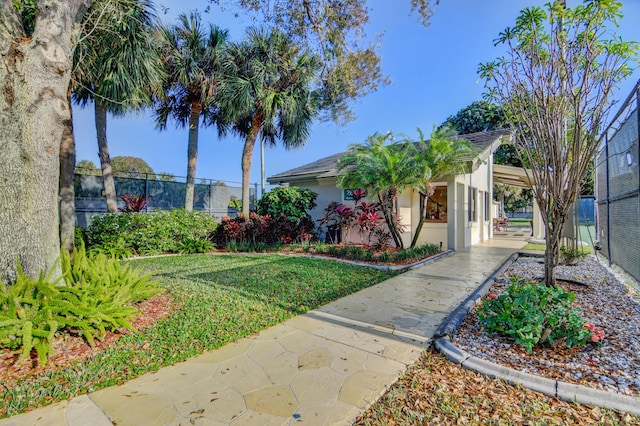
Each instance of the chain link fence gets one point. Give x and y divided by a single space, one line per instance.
618 188
216 197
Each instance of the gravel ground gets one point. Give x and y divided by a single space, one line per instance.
605 302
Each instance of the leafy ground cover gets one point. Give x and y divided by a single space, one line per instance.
216 299
435 391
353 252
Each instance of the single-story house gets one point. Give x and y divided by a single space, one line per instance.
461 210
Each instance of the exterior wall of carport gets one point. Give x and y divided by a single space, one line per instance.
464 232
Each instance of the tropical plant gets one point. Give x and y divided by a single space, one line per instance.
383 170
97 297
134 203
555 83
438 159
534 314
116 67
191 55
267 92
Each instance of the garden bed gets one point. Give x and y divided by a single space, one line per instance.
605 302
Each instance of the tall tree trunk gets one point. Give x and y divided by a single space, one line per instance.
192 154
388 217
247 155
35 74
67 192
105 160
423 214
552 237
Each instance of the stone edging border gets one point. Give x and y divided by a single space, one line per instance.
554 388
408 267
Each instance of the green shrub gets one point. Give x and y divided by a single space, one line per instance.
534 314
121 235
193 245
384 257
569 256
97 296
263 232
291 202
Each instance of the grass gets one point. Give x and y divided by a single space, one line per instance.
542 247
519 221
222 299
435 391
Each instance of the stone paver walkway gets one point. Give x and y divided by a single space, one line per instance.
322 368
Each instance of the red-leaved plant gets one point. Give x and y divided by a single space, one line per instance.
133 203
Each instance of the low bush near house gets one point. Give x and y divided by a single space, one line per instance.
535 314
173 231
247 233
96 297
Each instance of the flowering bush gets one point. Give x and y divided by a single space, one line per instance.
535 314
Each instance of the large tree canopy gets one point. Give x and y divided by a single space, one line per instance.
555 83
335 31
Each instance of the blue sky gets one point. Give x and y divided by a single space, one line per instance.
433 73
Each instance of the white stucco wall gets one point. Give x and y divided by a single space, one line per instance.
458 232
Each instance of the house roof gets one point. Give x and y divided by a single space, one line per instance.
326 167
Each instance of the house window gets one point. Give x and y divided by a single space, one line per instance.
487 205
473 208
437 205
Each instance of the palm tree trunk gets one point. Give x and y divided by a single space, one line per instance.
105 160
192 154
247 155
67 193
388 217
423 214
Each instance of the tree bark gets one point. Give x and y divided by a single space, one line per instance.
423 213
192 154
34 74
388 217
247 155
105 159
67 190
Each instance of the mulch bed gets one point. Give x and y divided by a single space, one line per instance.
68 348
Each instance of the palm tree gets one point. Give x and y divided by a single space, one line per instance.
383 170
116 66
438 159
191 56
267 91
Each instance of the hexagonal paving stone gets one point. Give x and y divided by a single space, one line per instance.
274 400
315 358
317 385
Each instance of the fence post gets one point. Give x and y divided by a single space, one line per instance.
606 156
146 191
211 197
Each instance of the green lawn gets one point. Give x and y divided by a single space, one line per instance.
223 298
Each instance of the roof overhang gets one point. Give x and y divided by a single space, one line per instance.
514 176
